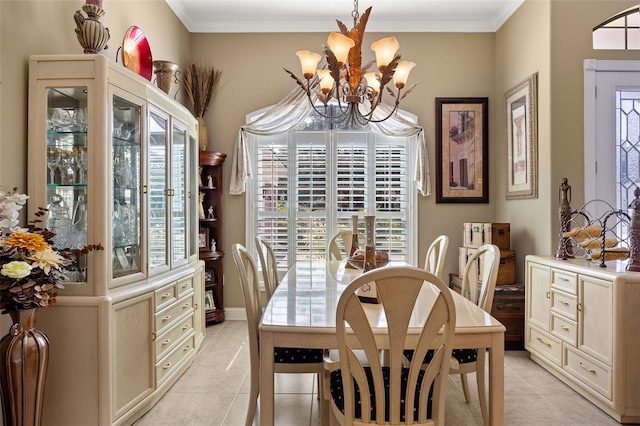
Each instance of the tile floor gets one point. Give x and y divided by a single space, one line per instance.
215 391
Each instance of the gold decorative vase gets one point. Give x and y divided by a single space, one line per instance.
368 293
24 357
167 75
92 35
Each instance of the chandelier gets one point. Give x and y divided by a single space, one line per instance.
356 90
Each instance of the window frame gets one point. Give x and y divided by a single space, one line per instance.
331 142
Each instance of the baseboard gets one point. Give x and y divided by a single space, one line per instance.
235 314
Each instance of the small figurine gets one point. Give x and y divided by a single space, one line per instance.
201 209
210 213
210 181
213 245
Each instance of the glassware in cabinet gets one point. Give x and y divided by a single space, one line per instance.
126 163
67 163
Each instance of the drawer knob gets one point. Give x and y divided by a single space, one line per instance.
166 366
186 305
167 318
166 342
164 296
564 303
186 326
186 348
563 279
564 327
586 368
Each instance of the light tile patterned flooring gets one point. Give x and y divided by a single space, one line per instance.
215 391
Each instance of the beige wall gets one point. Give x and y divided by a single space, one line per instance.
448 65
522 49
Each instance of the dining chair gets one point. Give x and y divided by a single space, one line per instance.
286 360
478 285
436 254
268 266
340 245
377 393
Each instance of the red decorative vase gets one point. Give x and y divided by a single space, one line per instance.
24 357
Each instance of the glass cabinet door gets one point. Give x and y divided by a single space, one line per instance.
125 152
178 192
158 151
67 163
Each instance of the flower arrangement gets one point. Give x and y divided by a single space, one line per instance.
32 268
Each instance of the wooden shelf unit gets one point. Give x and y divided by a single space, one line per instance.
210 191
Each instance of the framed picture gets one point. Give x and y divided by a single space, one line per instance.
209 303
203 239
462 155
208 274
522 139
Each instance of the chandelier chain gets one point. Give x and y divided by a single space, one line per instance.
355 13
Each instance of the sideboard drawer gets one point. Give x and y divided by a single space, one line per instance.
550 347
590 371
564 328
566 281
564 304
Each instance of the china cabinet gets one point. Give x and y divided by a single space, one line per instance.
582 323
114 159
210 231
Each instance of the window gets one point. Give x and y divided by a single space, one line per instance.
307 183
621 32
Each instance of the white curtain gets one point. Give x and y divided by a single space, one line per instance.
295 107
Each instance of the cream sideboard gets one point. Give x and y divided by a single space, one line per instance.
583 326
114 159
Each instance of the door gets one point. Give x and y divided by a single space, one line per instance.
612 144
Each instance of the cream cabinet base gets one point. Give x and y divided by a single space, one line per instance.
582 325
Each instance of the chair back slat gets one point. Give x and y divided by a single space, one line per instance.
268 265
436 254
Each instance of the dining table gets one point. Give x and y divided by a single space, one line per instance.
302 314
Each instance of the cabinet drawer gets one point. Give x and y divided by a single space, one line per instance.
565 281
547 346
167 341
168 316
184 286
165 367
564 304
166 296
564 328
588 370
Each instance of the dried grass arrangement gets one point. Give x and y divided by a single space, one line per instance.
201 83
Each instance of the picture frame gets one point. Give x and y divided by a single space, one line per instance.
208 275
521 106
462 150
209 303
203 239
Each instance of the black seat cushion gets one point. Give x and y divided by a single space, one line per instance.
337 393
463 356
297 355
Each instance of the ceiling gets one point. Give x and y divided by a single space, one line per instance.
268 16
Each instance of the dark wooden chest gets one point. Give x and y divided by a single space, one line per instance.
508 308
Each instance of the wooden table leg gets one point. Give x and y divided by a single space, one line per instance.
266 379
496 380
